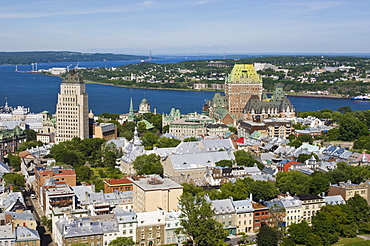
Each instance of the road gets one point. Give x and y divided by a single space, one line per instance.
35 207
233 240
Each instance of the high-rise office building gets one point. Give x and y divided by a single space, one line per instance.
240 85
72 109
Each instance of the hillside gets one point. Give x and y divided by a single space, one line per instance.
61 56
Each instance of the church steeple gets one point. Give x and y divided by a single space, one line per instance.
131 114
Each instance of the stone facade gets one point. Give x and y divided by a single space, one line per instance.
72 109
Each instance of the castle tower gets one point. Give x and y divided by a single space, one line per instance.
72 109
240 85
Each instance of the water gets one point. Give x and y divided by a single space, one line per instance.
40 92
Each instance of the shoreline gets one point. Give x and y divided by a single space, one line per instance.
148 88
174 89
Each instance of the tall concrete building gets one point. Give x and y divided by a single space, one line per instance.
72 109
240 85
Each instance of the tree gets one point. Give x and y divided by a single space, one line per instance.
263 190
148 164
47 222
190 139
84 173
298 232
358 208
164 142
267 236
243 158
224 163
293 182
197 221
233 129
149 140
305 138
31 134
14 179
14 161
122 241
344 109
319 183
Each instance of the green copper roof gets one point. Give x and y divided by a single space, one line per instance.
243 73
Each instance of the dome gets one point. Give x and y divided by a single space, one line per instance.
144 101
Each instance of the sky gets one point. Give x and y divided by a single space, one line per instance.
186 26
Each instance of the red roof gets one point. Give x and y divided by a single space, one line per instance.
61 172
118 181
240 140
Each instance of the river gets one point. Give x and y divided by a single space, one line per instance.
39 92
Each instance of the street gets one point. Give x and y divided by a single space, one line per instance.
35 207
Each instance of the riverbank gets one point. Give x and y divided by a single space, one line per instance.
149 88
316 96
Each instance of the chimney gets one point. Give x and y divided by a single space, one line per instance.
251 196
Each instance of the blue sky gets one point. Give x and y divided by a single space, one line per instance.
186 26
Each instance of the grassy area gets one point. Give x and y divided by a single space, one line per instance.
345 241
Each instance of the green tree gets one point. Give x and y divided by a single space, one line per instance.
14 179
197 221
263 190
46 222
14 161
149 140
267 236
326 223
164 142
84 173
351 128
31 134
110 159
122 241
319 183
344 109
148 164
298 232
224 163
190 139
358 209
28 145
305 138
293 182
233 129
295 143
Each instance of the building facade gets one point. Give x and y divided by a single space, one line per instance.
72 109
240 85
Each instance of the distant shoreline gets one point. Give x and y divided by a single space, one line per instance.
132 87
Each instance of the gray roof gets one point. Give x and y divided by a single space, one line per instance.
85 227
199 160
26 234
125 217
243 206
6 232
146 184
334 200
21 215
223 206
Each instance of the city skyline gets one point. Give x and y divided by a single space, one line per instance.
201 26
